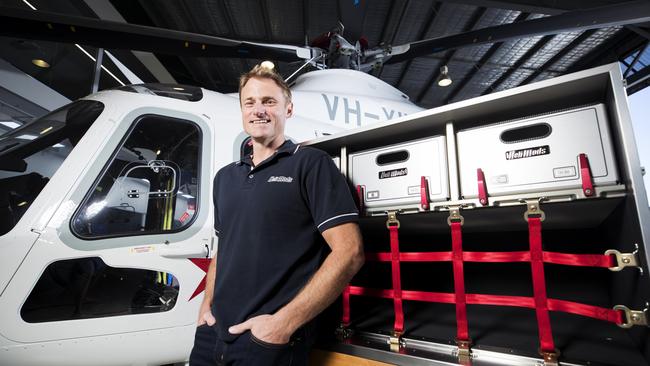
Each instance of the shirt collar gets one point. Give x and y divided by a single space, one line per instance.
287 147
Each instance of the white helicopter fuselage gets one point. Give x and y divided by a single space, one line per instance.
325 102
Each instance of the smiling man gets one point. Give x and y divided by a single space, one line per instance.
272 211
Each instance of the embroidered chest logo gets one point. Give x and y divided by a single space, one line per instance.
280 179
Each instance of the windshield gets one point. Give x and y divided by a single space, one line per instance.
32 153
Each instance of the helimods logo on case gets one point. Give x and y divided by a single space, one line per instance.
393 173
528 153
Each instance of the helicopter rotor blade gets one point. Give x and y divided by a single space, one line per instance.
580 20
54 27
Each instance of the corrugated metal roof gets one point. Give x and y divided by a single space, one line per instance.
476 70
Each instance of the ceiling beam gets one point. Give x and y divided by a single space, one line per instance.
638 80
265 15
621 45
548 7
640 31
432 15
477 67
581 38
525 57
630 67
476 17
106 11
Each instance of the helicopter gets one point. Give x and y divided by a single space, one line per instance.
104 249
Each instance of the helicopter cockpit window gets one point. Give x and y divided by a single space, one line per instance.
33 152
150 186
182 92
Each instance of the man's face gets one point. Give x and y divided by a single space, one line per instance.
264 110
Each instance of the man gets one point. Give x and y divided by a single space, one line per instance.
272 210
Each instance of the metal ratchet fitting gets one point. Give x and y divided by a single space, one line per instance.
533 209
392 219
395 341
455 216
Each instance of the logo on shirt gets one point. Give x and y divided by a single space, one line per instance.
280 179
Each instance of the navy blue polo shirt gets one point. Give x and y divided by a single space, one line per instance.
269 219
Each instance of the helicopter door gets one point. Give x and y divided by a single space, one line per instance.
128 258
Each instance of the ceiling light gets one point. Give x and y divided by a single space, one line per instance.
267 65
40 63
10 124
46 130
26 137
443 78
28 4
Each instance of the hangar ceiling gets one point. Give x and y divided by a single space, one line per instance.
475 70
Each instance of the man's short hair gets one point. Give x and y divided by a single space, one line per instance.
261 72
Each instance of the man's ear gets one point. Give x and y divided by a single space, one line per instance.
289 109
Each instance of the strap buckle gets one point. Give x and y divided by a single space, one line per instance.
632 317
623 259
392 220
455 216
533 209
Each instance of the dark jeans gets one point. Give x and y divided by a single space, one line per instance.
247 350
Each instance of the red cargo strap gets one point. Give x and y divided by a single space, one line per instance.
345 319
482 187
361 196
424 193
462 333
397 280
609 315
583 260
539 284
585 176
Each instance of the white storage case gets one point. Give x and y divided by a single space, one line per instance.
391 175
537 154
